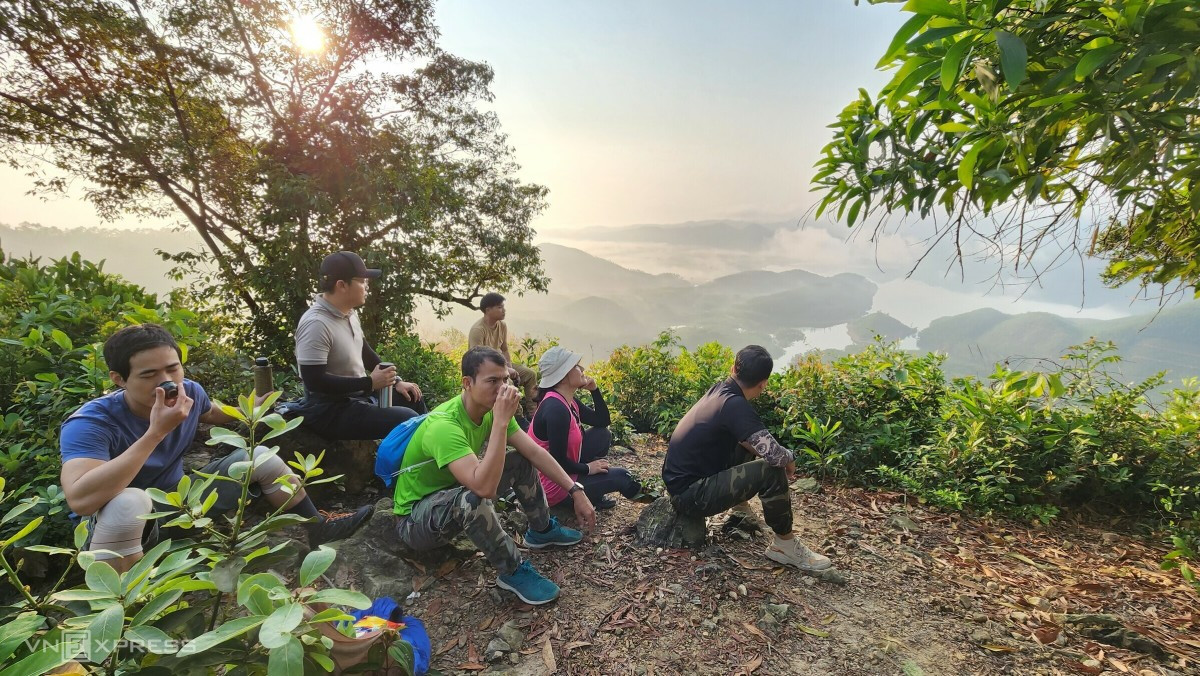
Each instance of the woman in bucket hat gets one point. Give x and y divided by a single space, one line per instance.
557 426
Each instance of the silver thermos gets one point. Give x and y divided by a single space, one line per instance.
383 396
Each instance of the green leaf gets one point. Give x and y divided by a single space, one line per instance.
316 563
18 510
105 631
1013 58
17 630
80 595
29 528
103 578
153 639
259 580
954 127
287 659
402 653
61 339
952 63
341 597
225 574
41 662
906 31
231 629
932 8
1093 60
966 168
220 435
156 606
277 628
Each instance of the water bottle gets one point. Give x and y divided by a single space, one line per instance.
383 396
264 376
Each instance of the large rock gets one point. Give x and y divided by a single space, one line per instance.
354 460
661 526
374 555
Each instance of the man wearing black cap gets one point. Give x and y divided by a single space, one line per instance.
339 368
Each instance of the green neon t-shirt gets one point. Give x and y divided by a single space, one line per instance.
445 435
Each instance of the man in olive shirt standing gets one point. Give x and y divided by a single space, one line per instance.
340 370
491 331
455 465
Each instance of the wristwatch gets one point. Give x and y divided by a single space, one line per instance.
574 487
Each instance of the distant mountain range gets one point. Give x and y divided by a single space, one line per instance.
595 305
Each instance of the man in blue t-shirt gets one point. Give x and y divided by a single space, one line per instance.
709 467
116 446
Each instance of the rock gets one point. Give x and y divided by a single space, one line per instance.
1109 538
979 618
768 623
620 450
514 658
1019 617
1109 629
830 575
373 555
354 460
660 526
966 601
903 522
603 551
498 646
980 635
517 521
1038 602
777 610
710 568
741 589
708 625
511 634
806 484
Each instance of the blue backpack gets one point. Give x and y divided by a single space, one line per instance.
390 455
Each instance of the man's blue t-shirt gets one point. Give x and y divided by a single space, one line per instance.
104 428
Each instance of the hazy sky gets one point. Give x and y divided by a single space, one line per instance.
636 112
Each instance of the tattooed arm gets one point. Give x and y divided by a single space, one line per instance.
762 444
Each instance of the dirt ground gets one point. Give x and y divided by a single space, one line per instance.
928 593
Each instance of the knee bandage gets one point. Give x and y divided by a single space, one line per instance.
117 528
266 471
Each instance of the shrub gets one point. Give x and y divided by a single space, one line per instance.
194 605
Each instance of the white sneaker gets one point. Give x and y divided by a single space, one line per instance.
794 553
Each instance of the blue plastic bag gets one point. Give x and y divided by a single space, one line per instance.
413 631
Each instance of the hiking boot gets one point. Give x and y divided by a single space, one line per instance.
743 518
557 535
528 585
604 502
338 527
794 553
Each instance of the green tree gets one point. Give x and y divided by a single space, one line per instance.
1035 126
279 132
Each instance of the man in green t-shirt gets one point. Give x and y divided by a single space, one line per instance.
445 488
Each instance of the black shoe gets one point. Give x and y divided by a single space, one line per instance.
605 502
338 527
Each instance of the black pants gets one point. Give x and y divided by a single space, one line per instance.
359 417
596 443
719 492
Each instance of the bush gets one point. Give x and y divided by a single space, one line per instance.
196 605
438 376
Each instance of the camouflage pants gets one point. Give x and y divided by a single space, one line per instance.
736 485
441 516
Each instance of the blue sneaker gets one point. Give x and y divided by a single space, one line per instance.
528 585
557 535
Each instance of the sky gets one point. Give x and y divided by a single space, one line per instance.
641 112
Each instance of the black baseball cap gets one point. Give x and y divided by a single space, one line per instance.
346 265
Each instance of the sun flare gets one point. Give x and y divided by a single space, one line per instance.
307 34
